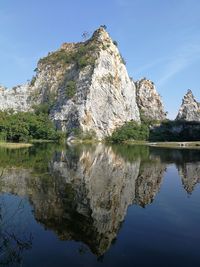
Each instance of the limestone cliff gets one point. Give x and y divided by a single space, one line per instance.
149 101
190 108
86 86
16 98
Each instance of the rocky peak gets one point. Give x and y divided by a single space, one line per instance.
2 89
101 35
188 98
85 84
149 101
190 108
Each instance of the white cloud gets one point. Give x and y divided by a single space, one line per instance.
186 56
142 69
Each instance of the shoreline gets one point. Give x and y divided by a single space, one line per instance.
14 145
172 144
180 145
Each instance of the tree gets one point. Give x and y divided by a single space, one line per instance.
103 26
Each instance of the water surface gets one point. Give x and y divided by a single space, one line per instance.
99 206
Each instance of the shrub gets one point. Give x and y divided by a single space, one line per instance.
42 108
86 135
130 131
23 126
83 56
33 81
71 89
83 62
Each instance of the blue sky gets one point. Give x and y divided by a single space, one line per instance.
159 39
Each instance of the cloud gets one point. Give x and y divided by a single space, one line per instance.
140 71
185 56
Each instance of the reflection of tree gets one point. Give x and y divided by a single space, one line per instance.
12 244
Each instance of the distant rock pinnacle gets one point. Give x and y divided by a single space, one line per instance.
190 108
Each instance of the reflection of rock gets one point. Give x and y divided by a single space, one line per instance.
190 175
85 198
87 191
149 181
104 186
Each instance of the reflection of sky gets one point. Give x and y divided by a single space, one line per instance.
158 39
168 226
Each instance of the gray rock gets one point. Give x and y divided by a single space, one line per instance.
149 101
190 108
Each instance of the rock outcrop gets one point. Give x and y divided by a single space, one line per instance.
17 98
149 101
86 86
190 108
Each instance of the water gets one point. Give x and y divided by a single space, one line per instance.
99 206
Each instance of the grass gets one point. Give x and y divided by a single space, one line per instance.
32 141
14 145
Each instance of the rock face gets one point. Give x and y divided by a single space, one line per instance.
149 101
190 108
86 86
18 98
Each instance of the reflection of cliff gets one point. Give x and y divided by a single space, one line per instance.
104 186
190 175
149 181
86 193
187 162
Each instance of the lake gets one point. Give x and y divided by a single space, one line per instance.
97 205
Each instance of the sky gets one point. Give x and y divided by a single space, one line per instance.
159 39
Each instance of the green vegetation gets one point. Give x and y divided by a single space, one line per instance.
155 131
70 89
103 26
46 106
130 131
115 43
83 136
33 81
131 153
175 131
36 157
81 56
147 121
24 126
